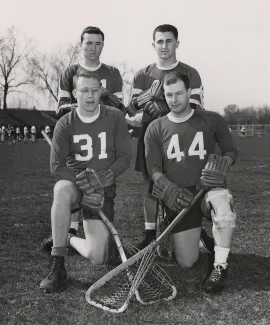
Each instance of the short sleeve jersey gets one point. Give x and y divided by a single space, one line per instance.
180 150
98 145
145 77
110 79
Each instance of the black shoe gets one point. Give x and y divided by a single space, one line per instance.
47 244
57 275
208 242
217 279
150 235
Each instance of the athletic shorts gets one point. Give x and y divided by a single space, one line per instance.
108 207
192 219
140 163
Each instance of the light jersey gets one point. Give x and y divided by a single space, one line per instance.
18 131
180 150
110 79
102 144
33 129
145 77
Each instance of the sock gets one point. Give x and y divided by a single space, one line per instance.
221 255
58 251
150 226
75 225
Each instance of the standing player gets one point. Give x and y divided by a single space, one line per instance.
92 42
243 132
177 147
25 134
3 133
90 148
33 133
151 100
48 131
18 134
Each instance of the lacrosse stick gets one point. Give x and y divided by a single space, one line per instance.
156 286
111 292
165 249
47 138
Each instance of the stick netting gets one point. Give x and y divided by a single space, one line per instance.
144 277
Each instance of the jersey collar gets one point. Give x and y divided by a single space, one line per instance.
88 119
180 119
172 66
89 68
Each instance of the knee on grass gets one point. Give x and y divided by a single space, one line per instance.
186 262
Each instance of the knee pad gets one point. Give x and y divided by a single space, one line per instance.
217 204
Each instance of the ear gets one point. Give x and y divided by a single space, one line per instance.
189 92
153 44
177 44
74 93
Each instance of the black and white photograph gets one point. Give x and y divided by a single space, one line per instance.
135 162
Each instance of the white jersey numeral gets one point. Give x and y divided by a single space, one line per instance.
174 152
103 83
103 153
197 141
88 147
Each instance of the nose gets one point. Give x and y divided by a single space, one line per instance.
174 98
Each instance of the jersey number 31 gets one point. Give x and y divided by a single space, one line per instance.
88 147
196 148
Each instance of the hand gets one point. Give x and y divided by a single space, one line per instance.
90 180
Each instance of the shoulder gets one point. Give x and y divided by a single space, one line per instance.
111 69
208 116
110 111
71 70
145 71
188 69
66 120
157 124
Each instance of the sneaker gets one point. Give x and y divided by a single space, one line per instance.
57 275
208 242
47 244
217 279
150 235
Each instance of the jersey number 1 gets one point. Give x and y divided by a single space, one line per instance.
88 147
174 152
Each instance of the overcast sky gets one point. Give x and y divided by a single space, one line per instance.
227 41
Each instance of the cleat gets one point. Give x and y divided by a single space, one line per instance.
47 244
57 275
217 280
150 235
208 242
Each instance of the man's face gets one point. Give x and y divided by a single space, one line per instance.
177 97
87 93
165 45
92 46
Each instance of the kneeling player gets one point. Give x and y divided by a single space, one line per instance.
90 148
177 147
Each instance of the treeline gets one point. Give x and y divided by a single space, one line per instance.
247 115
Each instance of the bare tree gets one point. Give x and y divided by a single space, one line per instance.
12 58
45 70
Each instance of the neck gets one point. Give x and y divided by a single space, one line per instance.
186 112
90 63
166 63
87 114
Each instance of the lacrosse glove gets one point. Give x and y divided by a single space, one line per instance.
173 196
111 100
156 108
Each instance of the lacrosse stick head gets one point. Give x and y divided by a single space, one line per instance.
140 275
217 164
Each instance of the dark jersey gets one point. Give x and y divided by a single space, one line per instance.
145 77
180 149
110 79
101 144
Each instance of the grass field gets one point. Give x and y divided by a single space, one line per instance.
25 200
